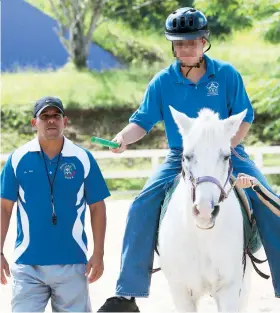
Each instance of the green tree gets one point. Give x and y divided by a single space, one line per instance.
227 15
80 19
272 28
267 105
143 14
267 13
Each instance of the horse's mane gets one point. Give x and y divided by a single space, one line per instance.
208 115
207 126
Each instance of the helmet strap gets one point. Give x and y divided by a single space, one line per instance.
208 43
197 65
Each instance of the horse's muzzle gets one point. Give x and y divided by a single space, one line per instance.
205 222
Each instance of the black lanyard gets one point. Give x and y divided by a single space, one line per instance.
51 183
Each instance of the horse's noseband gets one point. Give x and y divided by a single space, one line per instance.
209 179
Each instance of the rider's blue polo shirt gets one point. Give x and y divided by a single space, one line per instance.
78 182
221 89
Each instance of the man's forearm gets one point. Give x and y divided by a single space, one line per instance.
132 133
241 134
98 225
5 222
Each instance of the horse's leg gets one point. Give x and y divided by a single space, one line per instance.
246 284
183 298
228 298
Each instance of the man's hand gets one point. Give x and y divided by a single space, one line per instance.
95 267
119 139
244 181
5 271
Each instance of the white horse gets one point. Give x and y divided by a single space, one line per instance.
201 235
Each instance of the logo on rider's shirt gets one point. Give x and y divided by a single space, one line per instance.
212 89
69 170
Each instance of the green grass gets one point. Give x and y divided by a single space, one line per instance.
250 54
130 45
77 89
12 140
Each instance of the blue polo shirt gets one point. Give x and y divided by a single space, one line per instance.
221 89
78 182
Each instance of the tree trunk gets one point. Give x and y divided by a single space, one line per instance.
79 47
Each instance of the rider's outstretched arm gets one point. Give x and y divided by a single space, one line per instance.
132 133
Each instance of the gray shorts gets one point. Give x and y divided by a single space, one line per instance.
65 285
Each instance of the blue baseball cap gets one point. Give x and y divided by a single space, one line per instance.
45 102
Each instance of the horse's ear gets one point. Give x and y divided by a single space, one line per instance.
233 123
183 122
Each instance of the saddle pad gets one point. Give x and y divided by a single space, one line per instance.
251 235
271 200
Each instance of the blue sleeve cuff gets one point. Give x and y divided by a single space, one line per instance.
9 197
249 119
99 198
140 123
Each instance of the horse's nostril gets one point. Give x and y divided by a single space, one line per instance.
216 210
195 210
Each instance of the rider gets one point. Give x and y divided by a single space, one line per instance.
192 82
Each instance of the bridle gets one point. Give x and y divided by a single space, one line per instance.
208 179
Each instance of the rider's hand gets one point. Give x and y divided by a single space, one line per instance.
120 141
244 181
5 271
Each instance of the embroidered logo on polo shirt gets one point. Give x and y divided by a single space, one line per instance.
69 170
212 88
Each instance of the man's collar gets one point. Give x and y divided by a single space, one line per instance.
34 146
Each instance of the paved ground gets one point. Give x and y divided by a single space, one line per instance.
261 297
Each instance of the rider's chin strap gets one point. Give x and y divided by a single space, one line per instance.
201 60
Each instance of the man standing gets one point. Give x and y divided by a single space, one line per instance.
52 180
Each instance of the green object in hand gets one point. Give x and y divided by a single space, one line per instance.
104 142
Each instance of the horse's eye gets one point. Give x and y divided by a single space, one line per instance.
188 157
226 157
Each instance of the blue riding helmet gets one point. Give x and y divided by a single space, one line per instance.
186 23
